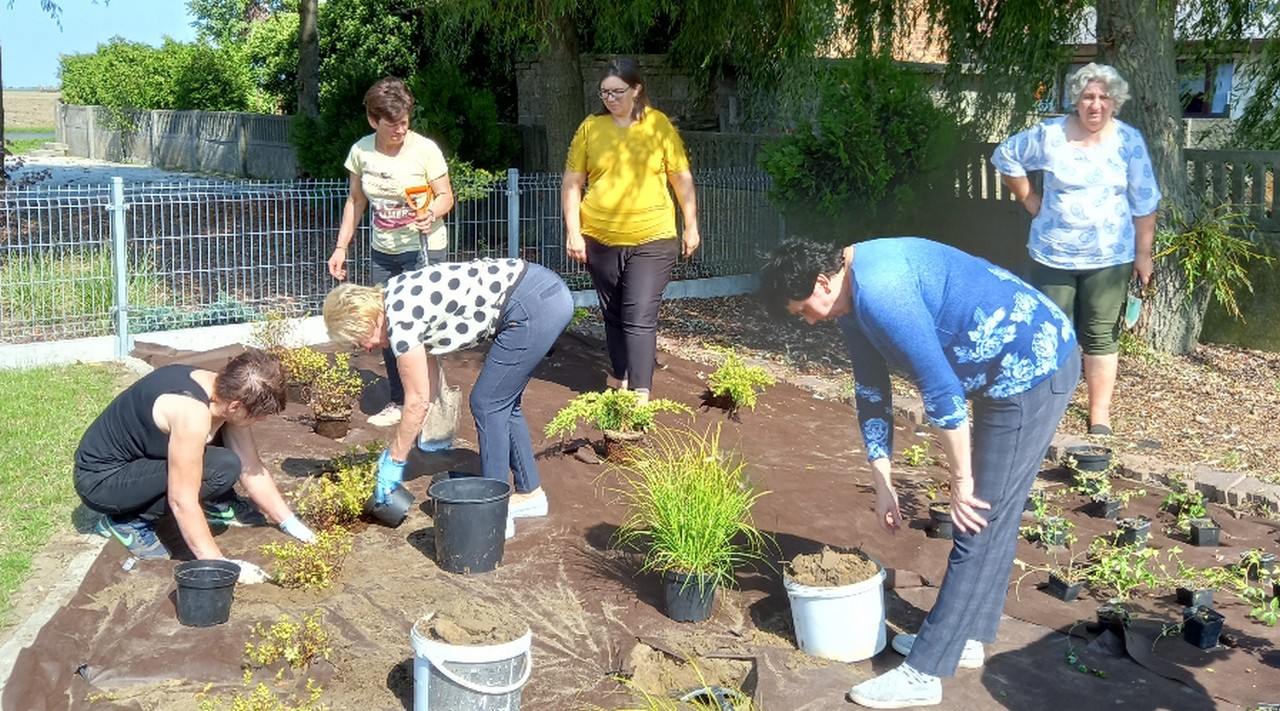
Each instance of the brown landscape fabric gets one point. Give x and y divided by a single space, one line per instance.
118 645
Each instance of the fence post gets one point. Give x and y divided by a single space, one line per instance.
119 266
513 213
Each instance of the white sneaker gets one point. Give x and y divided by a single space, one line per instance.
511 527
971 658
529 508
899 688
389 416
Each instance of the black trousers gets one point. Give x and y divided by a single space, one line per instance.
140 488
630 282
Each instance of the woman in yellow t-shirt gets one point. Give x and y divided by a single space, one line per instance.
624 228
381 166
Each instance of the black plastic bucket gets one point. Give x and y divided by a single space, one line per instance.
688 598
205 590
471 523
394 511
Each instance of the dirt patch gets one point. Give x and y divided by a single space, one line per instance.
29 109
832 568
660 674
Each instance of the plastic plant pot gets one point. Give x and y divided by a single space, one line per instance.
1133 532
1063 590
940 520
1265 566
1194 597
688 597
1113 617
205 590
394 511
1204 532
1107 507
1090 457
1201 626
470 523
1033 500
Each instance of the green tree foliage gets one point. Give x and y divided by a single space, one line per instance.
463 119
228 23
132 75
872 136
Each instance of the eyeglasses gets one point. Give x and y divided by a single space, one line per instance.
614 94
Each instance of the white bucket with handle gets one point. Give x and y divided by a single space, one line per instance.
451 677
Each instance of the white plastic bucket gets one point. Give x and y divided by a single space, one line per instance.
451 677
844 623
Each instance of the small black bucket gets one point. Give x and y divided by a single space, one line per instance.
394 511
1090 457
688 598
471 523
205 589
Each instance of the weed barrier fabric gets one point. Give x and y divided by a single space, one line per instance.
585 602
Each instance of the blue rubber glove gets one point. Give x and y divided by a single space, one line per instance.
390 474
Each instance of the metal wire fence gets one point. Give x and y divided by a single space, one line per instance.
115 259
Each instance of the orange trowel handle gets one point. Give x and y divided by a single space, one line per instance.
419 197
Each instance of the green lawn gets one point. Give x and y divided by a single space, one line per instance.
25 145
43 414
30 129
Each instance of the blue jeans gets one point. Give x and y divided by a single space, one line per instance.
382 267
1010 438
535 315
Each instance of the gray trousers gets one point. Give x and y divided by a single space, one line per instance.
1010 438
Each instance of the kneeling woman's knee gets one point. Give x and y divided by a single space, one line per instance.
221 468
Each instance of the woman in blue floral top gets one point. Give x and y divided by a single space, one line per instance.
1092 229
963 331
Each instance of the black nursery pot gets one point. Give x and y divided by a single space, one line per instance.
1195 597
688 598
1266 565
1201 626
1133 531
1204 532
1107 507
1090 457
940 521
1114 618
1063 590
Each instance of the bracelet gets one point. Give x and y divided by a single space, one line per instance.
341 248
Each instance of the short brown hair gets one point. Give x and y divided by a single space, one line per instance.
256 379
388 99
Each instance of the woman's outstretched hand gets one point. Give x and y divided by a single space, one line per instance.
965 506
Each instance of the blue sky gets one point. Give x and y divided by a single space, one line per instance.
32 42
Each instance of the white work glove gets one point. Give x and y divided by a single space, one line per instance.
296 528
250 573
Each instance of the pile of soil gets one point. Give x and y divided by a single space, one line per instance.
831 568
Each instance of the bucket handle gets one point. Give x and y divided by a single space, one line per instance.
491 690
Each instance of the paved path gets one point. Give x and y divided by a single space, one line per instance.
71 171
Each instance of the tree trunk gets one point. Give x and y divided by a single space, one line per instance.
562 95
308 60
1136 37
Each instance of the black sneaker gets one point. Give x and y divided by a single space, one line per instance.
233 511
136 535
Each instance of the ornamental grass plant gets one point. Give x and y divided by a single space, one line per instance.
689 506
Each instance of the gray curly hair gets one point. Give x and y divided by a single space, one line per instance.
1117 87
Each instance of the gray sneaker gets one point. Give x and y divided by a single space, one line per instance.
899 688
971 658
135 534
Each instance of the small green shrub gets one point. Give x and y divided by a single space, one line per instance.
1213 252
333 390
613 410
874 134
337 497
260 697
736 380
314 565
302 365
297 643
1123 569
1185 503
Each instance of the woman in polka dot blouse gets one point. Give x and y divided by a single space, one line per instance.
443 308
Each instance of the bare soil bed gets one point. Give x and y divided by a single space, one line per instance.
116 643
27 109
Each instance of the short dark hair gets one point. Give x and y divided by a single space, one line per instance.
388 99
256 379
628 70
791 269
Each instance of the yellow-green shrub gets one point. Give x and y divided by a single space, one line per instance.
314 565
